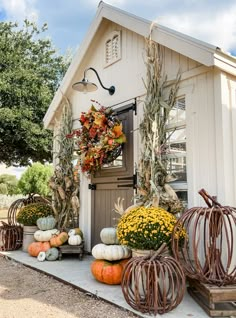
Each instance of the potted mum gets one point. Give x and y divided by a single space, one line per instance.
145 229
28 216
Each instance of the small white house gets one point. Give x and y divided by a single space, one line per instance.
205 121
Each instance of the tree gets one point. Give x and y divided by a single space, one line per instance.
35 179
30 72
8 184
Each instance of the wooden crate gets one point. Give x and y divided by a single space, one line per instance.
71 249
216 301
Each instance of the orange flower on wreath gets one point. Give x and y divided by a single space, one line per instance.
99 140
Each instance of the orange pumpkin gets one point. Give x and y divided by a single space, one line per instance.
36 247
59 239
108 272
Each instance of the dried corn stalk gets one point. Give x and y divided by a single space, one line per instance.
153 167
64 186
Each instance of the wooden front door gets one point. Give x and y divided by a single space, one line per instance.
113 181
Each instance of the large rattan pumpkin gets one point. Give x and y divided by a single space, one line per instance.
153 284
207 252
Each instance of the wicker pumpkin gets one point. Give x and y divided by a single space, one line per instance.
153 284
36 247
110 252
58 240
10 237
52 254
108 272
207 252
45 236
46 223
108 236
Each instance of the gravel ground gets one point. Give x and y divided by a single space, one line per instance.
26 293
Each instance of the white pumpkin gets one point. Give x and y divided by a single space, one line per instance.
108 236
110 252
75 240
45 236
41 257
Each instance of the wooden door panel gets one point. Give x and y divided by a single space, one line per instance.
104 215
113 181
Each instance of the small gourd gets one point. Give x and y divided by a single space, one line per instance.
110 252
52 254
41 257
74 240
76 231
46 223
108 236
59 239
45 236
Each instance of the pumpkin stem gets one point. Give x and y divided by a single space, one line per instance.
206 196
160 250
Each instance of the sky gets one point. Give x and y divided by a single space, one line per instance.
212 21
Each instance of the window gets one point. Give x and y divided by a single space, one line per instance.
113 48
177 149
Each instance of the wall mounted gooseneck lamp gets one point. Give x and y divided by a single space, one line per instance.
86 86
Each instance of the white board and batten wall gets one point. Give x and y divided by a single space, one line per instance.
210 101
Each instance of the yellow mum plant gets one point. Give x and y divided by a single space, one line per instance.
29 214
147 228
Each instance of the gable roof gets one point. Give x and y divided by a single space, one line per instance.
197 50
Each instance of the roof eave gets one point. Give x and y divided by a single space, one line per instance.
199 51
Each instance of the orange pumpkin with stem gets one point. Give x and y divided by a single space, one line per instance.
36 247
108 272
59 239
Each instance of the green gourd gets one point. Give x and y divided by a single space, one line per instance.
52 254
46 223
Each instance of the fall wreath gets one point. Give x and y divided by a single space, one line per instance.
99 140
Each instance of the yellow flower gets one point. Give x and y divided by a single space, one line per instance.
146 228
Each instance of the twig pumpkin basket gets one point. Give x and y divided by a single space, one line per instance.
153 284
207 251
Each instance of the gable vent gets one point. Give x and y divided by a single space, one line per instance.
113 48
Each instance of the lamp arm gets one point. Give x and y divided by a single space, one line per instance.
92 69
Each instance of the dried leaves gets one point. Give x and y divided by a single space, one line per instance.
153 167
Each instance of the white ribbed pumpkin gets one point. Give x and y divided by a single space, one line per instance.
74 240
45 236
110 252
108 236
